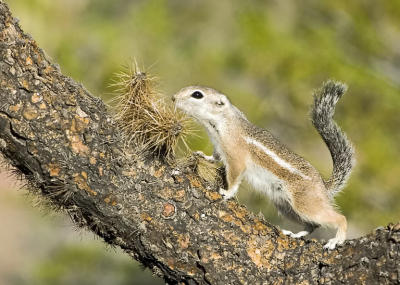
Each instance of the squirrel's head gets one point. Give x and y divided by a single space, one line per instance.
202 103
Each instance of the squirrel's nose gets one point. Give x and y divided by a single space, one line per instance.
173 98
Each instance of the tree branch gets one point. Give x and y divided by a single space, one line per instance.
66 144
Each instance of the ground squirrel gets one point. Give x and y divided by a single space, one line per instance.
293 184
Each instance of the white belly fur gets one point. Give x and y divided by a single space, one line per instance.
267 183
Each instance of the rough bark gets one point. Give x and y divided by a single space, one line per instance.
66 144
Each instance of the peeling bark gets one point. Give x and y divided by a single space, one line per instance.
66 144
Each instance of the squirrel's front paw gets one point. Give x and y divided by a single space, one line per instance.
199 153
202 155
226 194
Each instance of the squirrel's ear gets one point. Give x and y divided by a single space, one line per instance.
220 102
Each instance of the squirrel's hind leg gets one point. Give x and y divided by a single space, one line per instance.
339 222
309 228
328 217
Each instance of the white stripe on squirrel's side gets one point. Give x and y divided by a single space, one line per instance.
276 158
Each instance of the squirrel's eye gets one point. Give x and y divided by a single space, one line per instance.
197 95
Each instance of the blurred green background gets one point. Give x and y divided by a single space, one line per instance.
267 56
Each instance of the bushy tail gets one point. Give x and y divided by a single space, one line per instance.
341 150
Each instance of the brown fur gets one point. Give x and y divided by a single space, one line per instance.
295 186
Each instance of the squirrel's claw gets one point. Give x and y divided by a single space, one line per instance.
226 194
201 154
